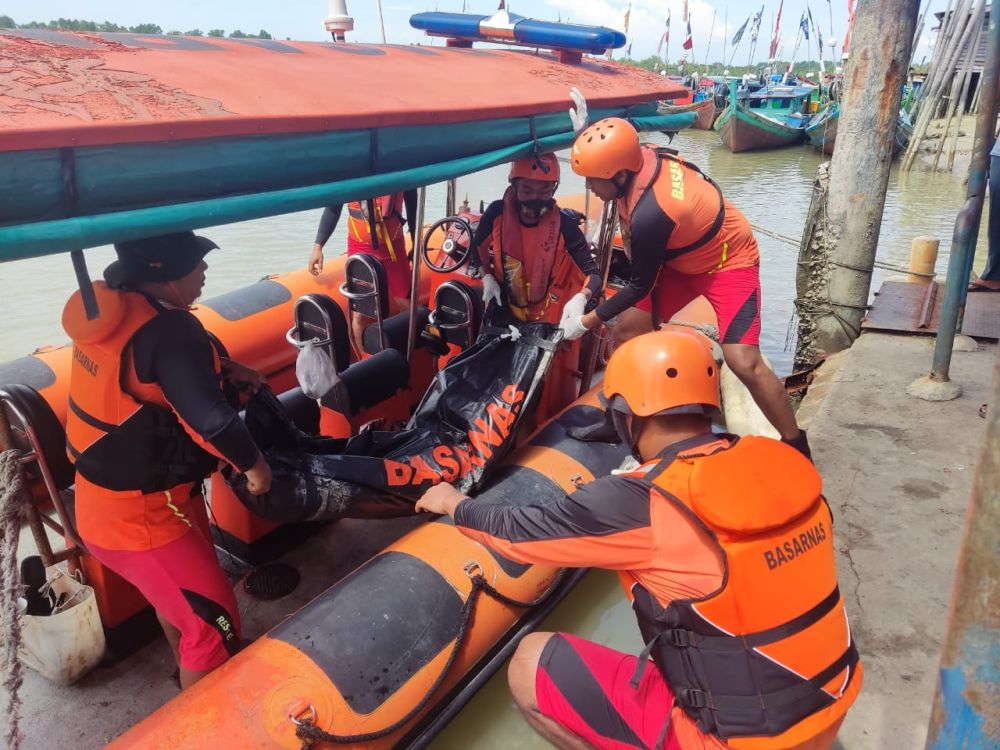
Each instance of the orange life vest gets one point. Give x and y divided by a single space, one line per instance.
767 660
387 221
709 233
536 268
116 441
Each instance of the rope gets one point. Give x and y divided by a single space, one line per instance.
11 493
878 263
309 733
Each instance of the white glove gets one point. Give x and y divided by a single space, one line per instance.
572 318
578 116
575 307
491 290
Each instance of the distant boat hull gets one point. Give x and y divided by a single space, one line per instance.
704 112
743 130
822 133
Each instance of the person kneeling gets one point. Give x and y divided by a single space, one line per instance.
725 548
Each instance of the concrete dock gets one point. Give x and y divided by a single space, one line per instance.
897 472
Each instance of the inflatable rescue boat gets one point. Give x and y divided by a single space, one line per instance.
245 129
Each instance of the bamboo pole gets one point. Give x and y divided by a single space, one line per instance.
944 34
959 105
939 75
959 90
929 107
936 55
859 169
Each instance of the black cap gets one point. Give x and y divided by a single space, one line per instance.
165 258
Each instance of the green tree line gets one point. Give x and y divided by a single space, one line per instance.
657 65
72 24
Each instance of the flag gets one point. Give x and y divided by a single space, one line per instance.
755 26
688 43
819 34
665 39
804 25
627 14
777 25
628 52
739 34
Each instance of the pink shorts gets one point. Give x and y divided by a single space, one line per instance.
186 585
734 295
585 688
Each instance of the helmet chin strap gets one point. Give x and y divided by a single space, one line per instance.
622 184
629 434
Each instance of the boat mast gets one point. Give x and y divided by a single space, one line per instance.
711 32
338 23
381 20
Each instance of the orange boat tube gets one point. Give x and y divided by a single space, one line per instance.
376 656
250 322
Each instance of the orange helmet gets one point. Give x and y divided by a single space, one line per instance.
664 372
605 148
544 167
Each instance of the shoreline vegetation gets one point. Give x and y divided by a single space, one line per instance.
72 24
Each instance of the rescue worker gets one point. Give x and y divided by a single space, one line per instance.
375 227
725 548
538 252
147 423
685 240
535 258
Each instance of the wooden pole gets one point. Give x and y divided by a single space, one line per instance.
946 68
944 34
959 104
859 169
943 47
959 90
934 73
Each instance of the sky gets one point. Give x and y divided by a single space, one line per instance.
303 20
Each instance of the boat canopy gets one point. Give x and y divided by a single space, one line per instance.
782 92
109 137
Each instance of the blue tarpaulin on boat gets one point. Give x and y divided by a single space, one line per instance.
57 200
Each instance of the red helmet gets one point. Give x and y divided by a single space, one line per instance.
544 167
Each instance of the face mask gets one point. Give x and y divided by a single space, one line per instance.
535 208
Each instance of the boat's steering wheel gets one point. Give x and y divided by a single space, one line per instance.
455 247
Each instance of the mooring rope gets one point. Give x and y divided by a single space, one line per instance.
878 263
11 493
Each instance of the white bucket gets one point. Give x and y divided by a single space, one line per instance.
67 644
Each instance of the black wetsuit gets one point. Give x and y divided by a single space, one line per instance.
650 231
173 351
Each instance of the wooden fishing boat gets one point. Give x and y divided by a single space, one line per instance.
768 118
822 129
212 131
703 110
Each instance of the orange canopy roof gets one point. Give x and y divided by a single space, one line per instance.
68 89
